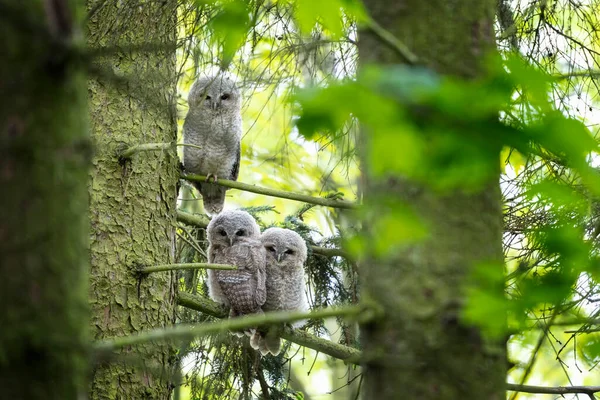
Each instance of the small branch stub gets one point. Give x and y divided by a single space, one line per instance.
139 148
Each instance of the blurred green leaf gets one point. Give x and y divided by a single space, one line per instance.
485 298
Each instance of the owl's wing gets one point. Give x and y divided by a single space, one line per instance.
215 292
259 259
236 166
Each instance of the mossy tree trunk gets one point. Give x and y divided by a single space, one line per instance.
421 349
44 165
132 101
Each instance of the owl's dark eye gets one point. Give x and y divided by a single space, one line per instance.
241 232
222 233
225 96
271 249
208 98
289 251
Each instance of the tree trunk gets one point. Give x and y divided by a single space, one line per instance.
44 164
421 349
132 101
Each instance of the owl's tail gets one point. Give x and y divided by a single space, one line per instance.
213 197
266 342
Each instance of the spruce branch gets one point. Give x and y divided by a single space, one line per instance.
302 338
170 267
202 222
321 201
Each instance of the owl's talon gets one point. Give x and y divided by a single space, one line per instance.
209 176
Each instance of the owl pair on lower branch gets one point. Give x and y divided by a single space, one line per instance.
270 274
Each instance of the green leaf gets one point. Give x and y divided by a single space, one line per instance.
230 26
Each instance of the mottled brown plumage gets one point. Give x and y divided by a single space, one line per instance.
234 238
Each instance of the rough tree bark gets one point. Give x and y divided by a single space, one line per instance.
44 164
421 349
132 101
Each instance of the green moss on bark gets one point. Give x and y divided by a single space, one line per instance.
421 349
133 202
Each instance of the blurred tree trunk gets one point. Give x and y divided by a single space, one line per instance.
421 350
44 164
132 101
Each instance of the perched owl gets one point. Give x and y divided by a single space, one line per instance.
214 124
234 238
286 254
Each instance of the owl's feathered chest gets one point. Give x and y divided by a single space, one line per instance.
217 136
285 288
244 288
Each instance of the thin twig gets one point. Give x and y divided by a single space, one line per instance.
388 38
170 267
321 201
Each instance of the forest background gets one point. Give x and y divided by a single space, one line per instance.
440 159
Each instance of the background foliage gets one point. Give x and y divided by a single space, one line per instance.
296 64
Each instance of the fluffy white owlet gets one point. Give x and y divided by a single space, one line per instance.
214 124
286 254
234 238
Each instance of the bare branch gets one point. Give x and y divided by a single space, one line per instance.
321 201
170 267
302 338
589 390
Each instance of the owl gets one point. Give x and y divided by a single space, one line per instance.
234 238
286 254
213 124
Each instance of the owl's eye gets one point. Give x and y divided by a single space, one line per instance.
271 249
289 251
241 232
222 233
208 98
225 96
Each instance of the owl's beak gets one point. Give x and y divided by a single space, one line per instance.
215 105
279 257
231 240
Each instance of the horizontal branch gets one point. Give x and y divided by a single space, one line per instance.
188 332
330 252
589 390
321 201
139 148
202 222
197 220
302 338
170 267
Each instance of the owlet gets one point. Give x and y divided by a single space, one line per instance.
286 254
214 124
